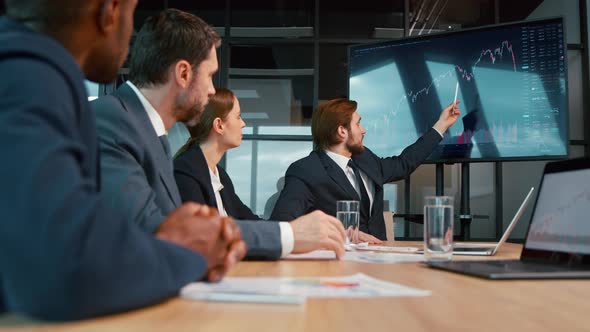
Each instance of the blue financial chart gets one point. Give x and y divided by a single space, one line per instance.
512 87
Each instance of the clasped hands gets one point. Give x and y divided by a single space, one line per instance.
201 229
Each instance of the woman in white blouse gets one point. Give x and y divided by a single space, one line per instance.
199 177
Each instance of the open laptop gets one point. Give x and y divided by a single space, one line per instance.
557 243
487 249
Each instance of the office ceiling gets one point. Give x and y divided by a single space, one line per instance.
466 13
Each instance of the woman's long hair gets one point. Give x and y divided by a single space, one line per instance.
219 106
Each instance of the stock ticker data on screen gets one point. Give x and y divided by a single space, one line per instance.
512 92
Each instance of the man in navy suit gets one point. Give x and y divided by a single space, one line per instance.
171 67
66 251
341 168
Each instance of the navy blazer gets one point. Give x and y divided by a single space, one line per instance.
138 175
194 183
316 182
65 252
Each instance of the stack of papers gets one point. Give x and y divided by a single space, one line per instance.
407 250
369 256
295 290
381 257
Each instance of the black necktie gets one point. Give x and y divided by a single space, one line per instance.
365 205
165 145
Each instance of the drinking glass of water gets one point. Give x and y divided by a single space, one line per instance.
438 228
348 214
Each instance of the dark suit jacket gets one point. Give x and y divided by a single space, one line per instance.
316 182
194 183
138 175
65 252
136 172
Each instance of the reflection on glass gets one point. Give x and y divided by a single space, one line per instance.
178 135
284 130
238 165
291 56
271 160
274 101
272 13
91 89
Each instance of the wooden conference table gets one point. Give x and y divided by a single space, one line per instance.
458 303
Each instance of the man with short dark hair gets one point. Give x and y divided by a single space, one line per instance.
341 168
172 64
66 252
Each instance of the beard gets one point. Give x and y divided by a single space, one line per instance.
193 116
355 148
187 110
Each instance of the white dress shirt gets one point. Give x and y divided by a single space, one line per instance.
342 162
217 186
287 236
154 116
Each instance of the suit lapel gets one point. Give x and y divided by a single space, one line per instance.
365 166
164 165
203 170
227 193
227 203
336 173
371 174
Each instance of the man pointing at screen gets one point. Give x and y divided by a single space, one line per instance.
341 168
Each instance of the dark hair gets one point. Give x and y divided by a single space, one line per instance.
219 106
327 118
165 39
46 14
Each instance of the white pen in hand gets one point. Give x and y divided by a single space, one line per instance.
455 99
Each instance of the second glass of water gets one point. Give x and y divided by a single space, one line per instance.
348 214
438 228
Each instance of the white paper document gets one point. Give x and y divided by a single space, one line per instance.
382 257
312 256
295 290
359 256
406 250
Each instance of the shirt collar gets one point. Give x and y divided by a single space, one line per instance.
339 159
154 116
215 180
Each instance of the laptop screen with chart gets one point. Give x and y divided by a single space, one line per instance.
558 239
561 219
